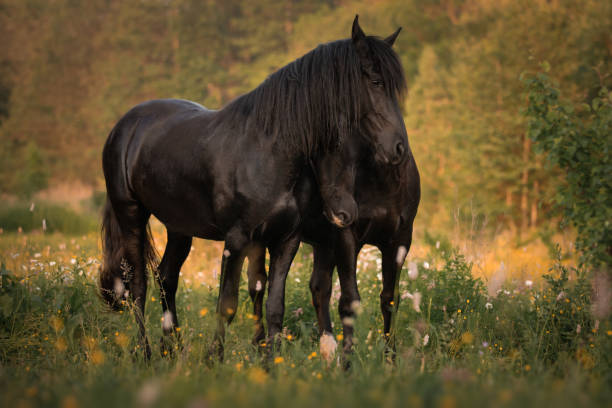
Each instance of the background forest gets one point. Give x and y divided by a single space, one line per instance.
70 69
506 296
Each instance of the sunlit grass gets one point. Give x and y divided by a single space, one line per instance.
458 345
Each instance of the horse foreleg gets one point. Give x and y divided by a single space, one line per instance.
281 256
393 257
321 286
350 301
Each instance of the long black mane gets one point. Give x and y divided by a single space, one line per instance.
313 104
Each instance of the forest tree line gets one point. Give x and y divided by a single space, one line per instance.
70 69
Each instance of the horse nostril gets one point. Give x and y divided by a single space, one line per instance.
344 217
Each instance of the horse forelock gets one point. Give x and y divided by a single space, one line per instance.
312 105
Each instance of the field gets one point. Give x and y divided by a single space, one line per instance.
480 333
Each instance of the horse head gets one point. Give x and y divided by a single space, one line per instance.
383 86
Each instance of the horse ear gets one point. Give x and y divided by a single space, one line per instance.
391 39
359 38
357 33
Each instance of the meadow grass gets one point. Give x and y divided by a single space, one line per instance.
462 340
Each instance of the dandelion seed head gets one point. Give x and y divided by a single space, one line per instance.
167 321
327 347
413 270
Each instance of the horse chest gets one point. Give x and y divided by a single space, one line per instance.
377 224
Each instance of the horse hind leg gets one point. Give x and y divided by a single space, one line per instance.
177 250
138 252
257 279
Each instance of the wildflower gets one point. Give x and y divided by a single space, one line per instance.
467 338
413 270
70 401
97 357
167 322
238 366
312 355
298 312
148 393
56 323
485 344
426 265
561 295
297 280
278 360
356 307
340 337
203 312
425 340
416 302
258 286
488 306
327 347
257 375
61 344
73 261
578 328
528 283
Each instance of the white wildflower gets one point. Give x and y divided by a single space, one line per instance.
356 307
425 340
167 321
416 302
413 270
528 283
327 347
426 265
488 306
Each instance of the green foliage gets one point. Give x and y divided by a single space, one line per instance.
33 176
56 218
578 141
59 345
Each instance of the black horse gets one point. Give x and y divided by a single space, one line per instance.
231 174
387 197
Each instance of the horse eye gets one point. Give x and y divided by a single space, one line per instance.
377 82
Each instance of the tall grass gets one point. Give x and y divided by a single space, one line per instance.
526 344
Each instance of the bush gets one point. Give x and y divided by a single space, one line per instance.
56 219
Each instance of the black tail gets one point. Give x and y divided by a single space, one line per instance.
116 273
